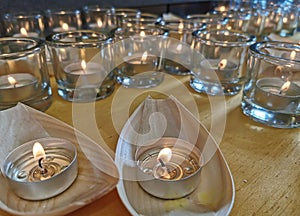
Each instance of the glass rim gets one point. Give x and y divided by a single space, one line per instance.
249 39
62 12
256 49
96 8
55 39
36 43
188 25
22 15
127 31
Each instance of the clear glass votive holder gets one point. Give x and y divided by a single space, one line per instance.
220 68
97 18
58 20
272 88
24 73
178 55
121 13
82 64
272 20
290 19
140 19
41 169
24 24
212 21
169 168
241 20
139 52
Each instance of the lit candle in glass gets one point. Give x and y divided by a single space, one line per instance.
224 68
97 25
277 94
64 27
17 87
42 168
138 63
81 73
24 33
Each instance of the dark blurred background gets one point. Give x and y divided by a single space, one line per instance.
178 7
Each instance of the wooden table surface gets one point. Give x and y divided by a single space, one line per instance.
264 161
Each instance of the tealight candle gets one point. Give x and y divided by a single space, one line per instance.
63 28
277 94
90 73
140 63
169 168
41 169
24 33
17 87
221 67
225 69
137 70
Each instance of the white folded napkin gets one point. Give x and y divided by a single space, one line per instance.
17 127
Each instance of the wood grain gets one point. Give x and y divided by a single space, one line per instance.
264 161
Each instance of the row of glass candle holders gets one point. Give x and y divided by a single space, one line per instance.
87 64
253 17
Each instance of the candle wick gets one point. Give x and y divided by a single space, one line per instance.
15 84
161 162
43 170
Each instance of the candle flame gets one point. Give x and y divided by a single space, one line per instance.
222 64
180 26
144 56
38 151
222 8
142 34
23 32
83 64
99 23
285 86
293 55
165 155
65 26
258 21
12 80
179 47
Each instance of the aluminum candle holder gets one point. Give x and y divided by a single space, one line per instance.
42 171
169 168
